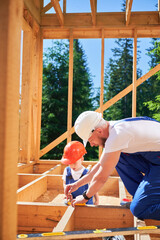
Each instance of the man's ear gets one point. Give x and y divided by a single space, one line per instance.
99 130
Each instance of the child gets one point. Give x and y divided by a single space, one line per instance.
73 156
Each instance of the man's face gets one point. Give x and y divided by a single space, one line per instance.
96 138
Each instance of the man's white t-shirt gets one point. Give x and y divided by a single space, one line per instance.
75 174
133 136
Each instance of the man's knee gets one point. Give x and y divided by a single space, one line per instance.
137 209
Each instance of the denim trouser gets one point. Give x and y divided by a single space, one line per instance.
145 188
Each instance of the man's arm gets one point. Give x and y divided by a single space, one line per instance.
107 162
82 181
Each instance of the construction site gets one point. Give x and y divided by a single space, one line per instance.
31 189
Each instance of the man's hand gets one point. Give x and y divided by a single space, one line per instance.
69 189
78 200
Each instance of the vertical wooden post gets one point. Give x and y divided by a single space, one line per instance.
102 81
64 6
26 98
40 56
10 29
134 74
70 88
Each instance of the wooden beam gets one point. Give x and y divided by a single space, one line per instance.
67 221
26 98
70 88
31 191
96 32
105 106
103 20
58 11
134 76
55 143
64 6
90 217
102 82
93 4
35 12
10 42
39 92
46 8
129 88
38 217
128 11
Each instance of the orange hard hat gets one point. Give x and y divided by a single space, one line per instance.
73 151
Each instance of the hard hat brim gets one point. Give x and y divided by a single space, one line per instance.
65 161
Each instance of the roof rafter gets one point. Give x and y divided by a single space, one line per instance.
58 11
128 10
46 8
93 4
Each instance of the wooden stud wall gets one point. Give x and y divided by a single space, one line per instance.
37 178
10 29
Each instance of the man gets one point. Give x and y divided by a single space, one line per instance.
131 145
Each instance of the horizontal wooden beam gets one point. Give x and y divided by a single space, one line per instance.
38 217
123 32
31 191
107 19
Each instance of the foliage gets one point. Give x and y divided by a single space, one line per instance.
55 94
154 105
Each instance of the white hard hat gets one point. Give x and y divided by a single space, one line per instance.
86 123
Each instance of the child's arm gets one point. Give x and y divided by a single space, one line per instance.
96 199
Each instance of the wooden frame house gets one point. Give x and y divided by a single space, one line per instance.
31 201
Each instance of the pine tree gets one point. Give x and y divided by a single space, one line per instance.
154 82
55 94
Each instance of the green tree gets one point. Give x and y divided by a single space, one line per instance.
55 93
154 104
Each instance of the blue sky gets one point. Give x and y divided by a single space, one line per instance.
92 47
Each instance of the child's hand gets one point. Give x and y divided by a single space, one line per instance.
69 189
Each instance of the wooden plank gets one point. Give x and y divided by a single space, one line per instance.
32 190
111 187
102 82
134 76
35 12
70 89
109 32
39 91
46 8
54 170
67 221
35 217
93 4
54 143
26 95
58 11
128 11
55 182
90 217
130 87
27 169
24 179
64 6
106 19
10 41
36 94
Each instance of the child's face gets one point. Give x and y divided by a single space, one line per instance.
77 165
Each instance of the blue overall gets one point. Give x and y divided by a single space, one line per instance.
145 188
80 190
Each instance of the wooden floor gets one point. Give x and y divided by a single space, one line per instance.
41 206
